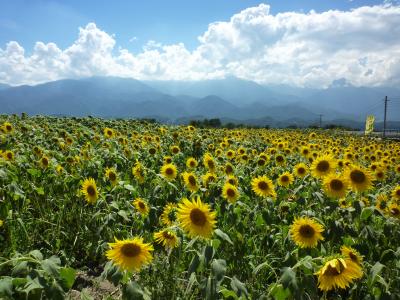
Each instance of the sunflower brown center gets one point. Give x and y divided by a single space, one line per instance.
8 127
262 185
330 271
198 217
192 164
261 162
307 231
357 176
301 170
169 171
353 257
152 151
109 132
398 192
336 184
210 164
395 211
279 158
231 193
130 250
112 176
45 162
91 190
323 166
285 178
9 155
168 235
141 205
228 169
192 180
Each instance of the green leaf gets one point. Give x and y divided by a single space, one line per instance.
228 294
40 190
36 254
67 276
218 267
288 278
21 268
129 187
366 213
132 290
223 235
208 253
375 271
194 264
123 214
261 266
51 266
6 287
387 255
279 292
239 287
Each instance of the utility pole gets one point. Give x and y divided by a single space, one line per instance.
384 117
320 121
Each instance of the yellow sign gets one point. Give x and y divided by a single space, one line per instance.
369 124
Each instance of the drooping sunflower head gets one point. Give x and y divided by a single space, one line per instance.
230 192
359 179
44 161
228 169
59 169
190 181
338 273
167 238
232 180
138 172
89 189
352 254
335 186
168 216
322 166
285 179
394 210
111 175
209 162
169 171
396 193
196 218
130 254
306 232
141 206
300 170
263 187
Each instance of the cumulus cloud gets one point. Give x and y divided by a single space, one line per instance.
303 49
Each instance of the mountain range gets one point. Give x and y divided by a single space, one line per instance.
230 99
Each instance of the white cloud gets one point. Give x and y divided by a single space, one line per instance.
305 49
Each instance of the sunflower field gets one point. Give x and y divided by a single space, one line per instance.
127 209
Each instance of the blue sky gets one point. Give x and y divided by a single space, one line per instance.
134 22
301 43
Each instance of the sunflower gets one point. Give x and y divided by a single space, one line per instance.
343 203
394 210
209 162
322 166
338 273
89 189
228 169
352 254
44 162
138 172
168 216
335 186
285 179
141 206
7 127
169 171
59 169
280 160
8 155
300 170
131 254
396 193
209 178
230 192
1 223
167 159
232 180
379 174
191 163
191 182
196 218
167 238
359 179
306 232
108 132
381 202
263 187
111 175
